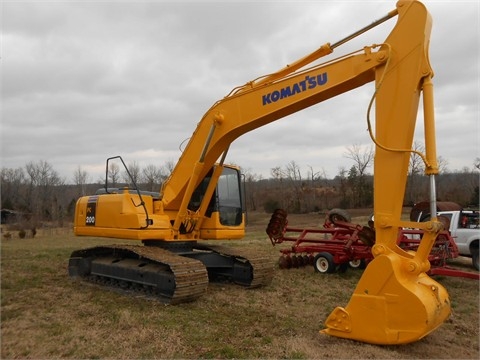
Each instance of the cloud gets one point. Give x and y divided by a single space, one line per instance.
82 81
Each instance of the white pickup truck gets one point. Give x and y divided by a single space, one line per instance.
464 226
465 230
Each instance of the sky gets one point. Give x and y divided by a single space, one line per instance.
82 81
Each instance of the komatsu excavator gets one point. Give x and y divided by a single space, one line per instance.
395 301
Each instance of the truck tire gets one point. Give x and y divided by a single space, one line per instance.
475 259
337 215
323 263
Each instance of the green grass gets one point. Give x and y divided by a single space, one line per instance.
45 314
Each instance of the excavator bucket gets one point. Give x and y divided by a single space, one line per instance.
392 303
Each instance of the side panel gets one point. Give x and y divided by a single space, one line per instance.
463 238
119 216
213 229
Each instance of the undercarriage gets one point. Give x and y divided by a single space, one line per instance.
173 273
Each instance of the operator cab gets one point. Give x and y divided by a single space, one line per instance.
227 198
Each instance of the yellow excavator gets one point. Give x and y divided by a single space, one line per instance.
395 301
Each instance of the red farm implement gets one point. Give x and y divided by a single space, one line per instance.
340 244
443 250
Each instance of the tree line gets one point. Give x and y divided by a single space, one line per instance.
38 195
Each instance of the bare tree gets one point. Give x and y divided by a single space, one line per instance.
316 175
292 170
42 173
135 173
343 187
278 176
417 187
113 174
250 179
416 168
416 165
43 180
476 163
442 164
362 159
321 190
11 183
153 177
169 166
277 173
80 178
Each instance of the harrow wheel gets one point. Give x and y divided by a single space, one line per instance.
301 261
306 260
323 263
295 262
357 264
284 262
311 259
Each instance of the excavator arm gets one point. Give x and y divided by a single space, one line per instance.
395 301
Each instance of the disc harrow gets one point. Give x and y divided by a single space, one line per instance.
337 243
340 244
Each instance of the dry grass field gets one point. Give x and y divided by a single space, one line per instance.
45 314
